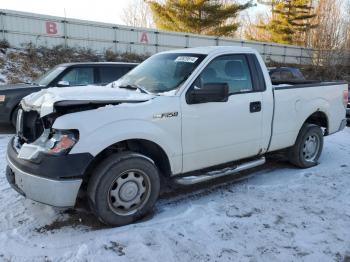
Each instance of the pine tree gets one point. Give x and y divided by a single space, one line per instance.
209 17
290 22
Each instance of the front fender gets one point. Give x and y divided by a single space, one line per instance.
95 136
107 135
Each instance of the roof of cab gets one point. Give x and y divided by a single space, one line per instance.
206 50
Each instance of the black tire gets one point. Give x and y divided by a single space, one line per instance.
119 176
14 117
300 155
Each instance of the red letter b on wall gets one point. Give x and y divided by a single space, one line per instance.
51 28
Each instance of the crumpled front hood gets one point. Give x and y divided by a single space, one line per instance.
43 101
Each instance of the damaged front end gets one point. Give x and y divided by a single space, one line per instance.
40 110
41 164
35 134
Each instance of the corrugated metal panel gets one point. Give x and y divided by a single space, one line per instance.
94 45
18 40
141 49
79 31
257 46
275 50
172 40
127 36
276 58
227 42
20 27
195 41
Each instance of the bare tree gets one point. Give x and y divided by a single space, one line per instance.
329 39
347 25
330 31
137 14
252 30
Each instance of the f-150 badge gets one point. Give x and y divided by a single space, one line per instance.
165 115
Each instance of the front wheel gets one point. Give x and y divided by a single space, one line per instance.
308 147
123 188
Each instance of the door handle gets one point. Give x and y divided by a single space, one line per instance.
255 107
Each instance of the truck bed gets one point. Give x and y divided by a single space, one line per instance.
295 101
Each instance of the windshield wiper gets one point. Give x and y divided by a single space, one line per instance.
135 87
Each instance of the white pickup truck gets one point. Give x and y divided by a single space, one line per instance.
187 115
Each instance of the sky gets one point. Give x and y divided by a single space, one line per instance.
109 11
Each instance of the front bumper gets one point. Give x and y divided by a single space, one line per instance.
59 193
50 180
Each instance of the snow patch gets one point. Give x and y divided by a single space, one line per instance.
280 214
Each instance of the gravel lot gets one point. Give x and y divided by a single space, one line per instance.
279 214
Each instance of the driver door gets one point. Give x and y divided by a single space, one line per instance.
214 133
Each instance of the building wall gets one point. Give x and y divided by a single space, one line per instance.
19 28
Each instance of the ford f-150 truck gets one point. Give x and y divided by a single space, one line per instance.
187 116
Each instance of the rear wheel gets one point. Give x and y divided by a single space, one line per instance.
308 147
123 188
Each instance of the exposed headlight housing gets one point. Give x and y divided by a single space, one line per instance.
55 142
2 98
61 142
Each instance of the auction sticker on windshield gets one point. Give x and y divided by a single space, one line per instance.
186 59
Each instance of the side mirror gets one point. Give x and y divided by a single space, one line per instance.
210 92
63 83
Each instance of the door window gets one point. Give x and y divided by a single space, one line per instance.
79 76
232 70
110 74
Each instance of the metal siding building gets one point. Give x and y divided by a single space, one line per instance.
19 28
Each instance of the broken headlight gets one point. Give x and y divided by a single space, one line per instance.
55 142
61 142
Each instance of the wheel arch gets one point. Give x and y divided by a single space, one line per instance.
318 118
145 147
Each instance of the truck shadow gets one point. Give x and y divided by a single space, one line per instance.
82 217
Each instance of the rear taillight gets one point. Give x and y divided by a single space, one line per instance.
345 97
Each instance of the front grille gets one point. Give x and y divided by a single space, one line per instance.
30 126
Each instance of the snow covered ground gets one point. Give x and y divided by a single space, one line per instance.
279 214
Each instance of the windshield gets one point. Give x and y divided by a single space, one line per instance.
161 73
50 75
